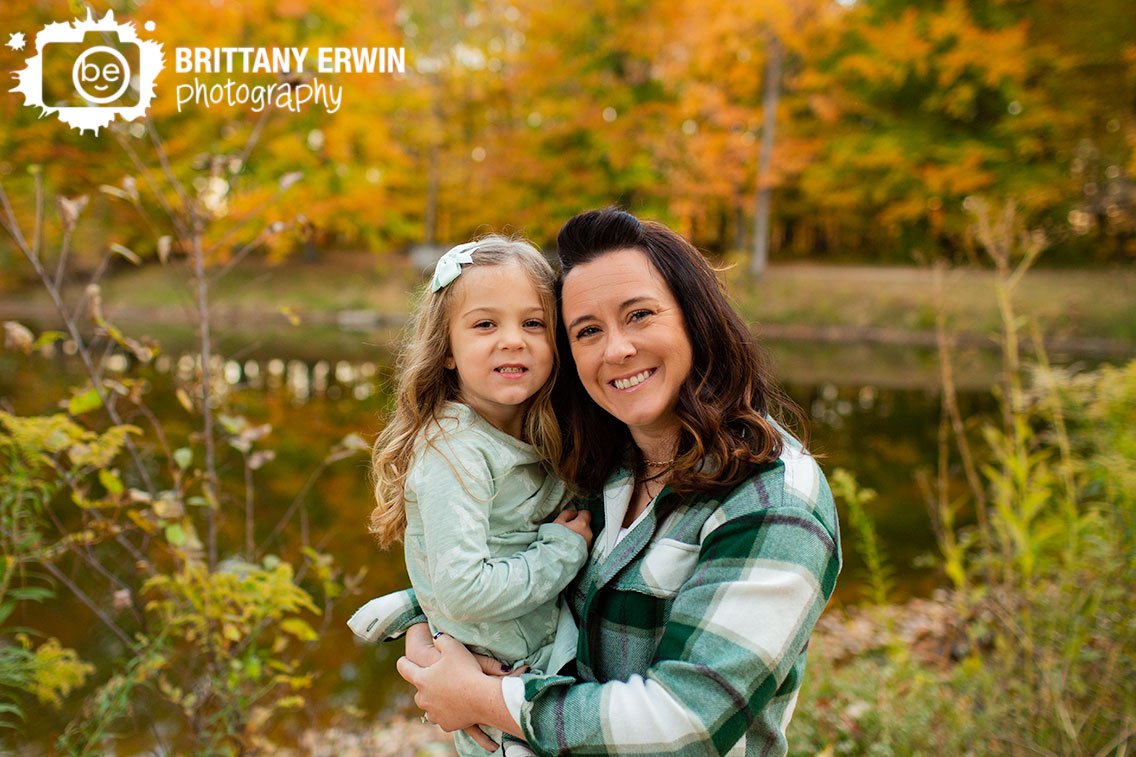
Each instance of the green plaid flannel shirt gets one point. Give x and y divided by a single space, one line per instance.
693 632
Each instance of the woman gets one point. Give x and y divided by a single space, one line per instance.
717 544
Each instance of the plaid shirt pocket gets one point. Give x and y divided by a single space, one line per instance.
637 606
666 565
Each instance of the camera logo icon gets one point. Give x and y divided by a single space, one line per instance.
99 70
90 72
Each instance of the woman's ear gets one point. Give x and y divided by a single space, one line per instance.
450 363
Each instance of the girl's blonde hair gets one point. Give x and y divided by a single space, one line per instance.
425 384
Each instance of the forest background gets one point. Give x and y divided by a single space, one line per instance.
906 149
518 114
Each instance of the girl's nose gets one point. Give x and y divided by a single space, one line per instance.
509 338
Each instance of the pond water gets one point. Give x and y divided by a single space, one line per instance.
874 411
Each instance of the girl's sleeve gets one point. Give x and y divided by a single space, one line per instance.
731 650
454 489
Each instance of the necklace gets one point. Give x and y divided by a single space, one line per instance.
647 486
648 480
653 464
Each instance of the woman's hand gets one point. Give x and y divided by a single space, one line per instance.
421 651
579 521
455 693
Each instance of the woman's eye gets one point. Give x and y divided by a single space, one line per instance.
586 332
638 315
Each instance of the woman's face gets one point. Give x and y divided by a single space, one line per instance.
628 337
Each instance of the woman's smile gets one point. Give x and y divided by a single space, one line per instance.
629 383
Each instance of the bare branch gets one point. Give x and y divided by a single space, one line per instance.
86 600
37 229
12 226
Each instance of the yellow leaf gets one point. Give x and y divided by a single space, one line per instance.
299 629
84 402
183 398
288 312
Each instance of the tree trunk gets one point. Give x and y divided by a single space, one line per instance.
430 221
772 96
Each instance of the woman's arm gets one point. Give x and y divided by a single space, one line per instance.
732 651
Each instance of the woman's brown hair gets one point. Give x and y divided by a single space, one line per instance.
724 406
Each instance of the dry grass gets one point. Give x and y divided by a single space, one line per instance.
1072 304
1067 304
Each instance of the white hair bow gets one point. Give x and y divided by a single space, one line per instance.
449 266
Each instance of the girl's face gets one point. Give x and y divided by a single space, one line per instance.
629 340
499 343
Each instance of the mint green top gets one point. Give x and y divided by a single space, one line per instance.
486 567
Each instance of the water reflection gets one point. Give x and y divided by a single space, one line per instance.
882 432
302 381
885 435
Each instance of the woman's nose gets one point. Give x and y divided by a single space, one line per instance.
618 347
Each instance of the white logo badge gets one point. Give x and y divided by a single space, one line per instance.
90 71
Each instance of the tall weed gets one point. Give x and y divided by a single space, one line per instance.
1034 649
120 507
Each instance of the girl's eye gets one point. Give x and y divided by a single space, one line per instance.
483 325
534 323
586 332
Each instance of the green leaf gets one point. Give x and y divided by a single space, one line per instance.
84 402
183 457
233 424
110 481
31 594
175 535
48 337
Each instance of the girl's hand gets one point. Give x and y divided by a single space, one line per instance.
453 692
579 521
420 645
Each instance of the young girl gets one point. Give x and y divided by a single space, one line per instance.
462 469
